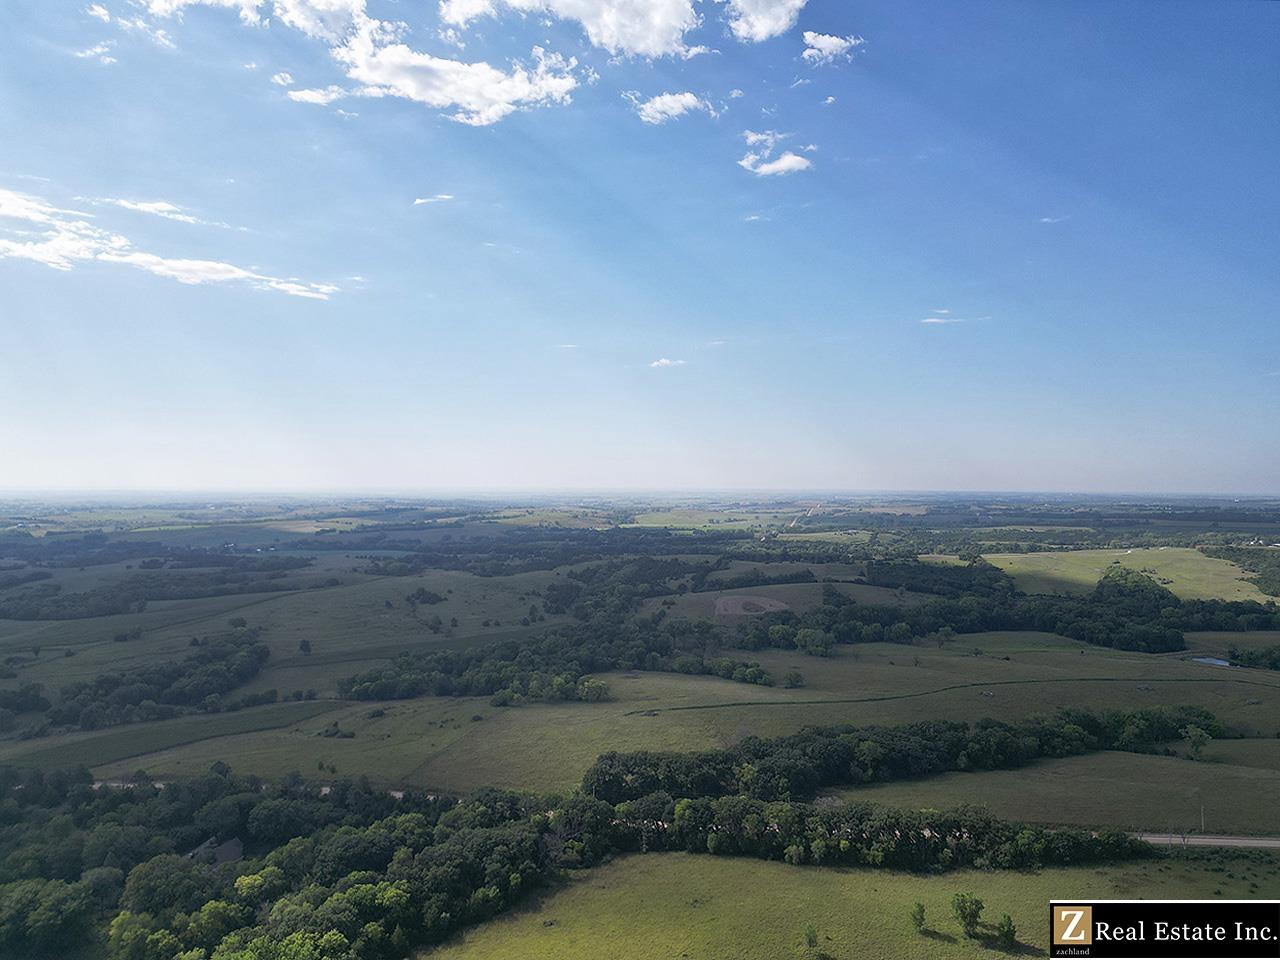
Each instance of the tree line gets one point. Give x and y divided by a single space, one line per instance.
797 766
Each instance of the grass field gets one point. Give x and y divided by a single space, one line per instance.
118 744
1188 573
433 742
797 596
350 626
1215 642
664 906
1134 792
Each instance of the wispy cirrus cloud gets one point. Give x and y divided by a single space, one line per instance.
437 198
62 239
156 208
99 51
1060 219
665 362
132 24
940 317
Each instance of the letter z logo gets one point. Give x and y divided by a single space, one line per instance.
1072 926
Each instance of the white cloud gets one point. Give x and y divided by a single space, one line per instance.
323 19
100 52
788 162
761 161
381 65
766 140
99 11
61 239
667 106
936 320
1055 219
320 98
823 48
735 93
646 28
664 362
479 94
282 79
438 198
830 100
755 20
250 65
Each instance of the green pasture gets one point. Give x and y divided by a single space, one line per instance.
1134 792
797 596
1187 572
664 906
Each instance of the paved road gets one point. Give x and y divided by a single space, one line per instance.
1206 840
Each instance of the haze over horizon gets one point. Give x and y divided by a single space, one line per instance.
340 245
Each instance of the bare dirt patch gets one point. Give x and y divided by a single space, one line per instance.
739 606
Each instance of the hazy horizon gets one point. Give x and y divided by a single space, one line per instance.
497 493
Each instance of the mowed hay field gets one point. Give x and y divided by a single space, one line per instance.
664 906
1189 573
1130 791
433 742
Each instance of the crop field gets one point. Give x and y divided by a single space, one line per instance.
661 906
1134 792
1188 573
433 742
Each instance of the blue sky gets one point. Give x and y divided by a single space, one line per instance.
878 246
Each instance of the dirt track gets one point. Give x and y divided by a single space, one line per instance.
1206 840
